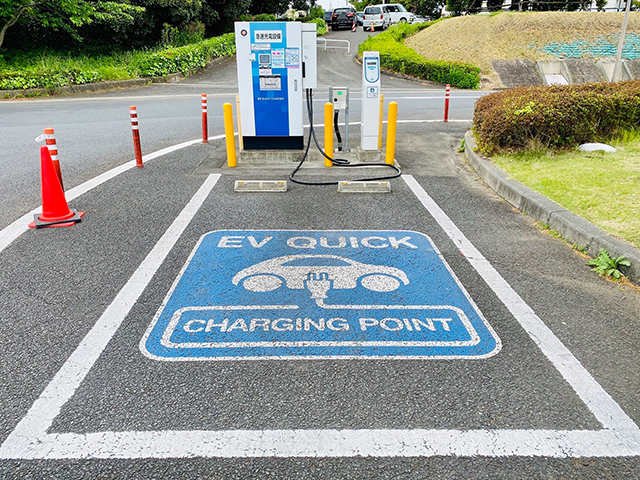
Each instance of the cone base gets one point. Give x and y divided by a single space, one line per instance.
67 222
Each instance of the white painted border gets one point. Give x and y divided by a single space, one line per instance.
32 428
475 338
175 319
29 440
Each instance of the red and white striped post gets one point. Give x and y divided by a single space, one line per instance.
205 123
446 103
133 113
50 140
353 27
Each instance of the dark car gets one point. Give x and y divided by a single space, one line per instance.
359 19
327 17
343 17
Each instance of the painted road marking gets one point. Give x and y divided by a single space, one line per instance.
29 440
42 413
21 225
286 294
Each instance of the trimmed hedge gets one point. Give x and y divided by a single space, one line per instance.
395 56
183 59
560 116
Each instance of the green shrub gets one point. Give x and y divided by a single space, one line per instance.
47 70
316 12
48 79
264 17
192 32
322 26
399 58
556 116
183 59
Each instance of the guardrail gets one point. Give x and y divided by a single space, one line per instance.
326 40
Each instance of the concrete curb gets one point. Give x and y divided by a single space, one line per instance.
573 228
101 86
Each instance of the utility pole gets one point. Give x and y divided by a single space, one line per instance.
618 66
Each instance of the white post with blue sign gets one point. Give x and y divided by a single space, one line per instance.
370 100
271 68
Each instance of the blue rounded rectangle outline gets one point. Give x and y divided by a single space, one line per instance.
426 313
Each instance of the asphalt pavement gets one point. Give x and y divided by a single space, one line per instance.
132 348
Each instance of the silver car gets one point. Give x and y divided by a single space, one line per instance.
376 16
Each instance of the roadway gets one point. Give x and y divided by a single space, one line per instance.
91 384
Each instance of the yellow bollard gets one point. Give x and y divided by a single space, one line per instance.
391 133
240 142
380 126
228 132
328 133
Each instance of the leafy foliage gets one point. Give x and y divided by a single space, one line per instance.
556 116
49 71
607 266
322 25
397 57
268 6
316 12
182 59
65 15
466 7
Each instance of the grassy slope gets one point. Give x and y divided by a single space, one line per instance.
603 188
478 39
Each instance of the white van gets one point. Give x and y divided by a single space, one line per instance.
399 14
376 15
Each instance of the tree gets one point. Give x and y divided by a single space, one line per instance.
269 6
460 7
65 15
428 8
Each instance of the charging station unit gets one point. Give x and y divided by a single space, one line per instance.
370 100
276 62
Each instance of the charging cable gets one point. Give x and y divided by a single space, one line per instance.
337 162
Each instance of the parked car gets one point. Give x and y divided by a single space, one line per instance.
327 17
343 17
421 19
399 14
376 15
359 16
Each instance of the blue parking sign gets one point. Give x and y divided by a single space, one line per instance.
285 294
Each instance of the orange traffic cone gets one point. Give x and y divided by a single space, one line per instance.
55 211
372 29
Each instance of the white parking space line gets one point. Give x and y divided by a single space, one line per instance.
620 436
599 402
21 225
39 418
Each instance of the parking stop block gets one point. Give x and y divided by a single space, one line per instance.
253 186
364 187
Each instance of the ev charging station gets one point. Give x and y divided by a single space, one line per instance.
276 62
370 100
277 67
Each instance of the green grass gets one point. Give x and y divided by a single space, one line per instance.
46 69
603 188
118 66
